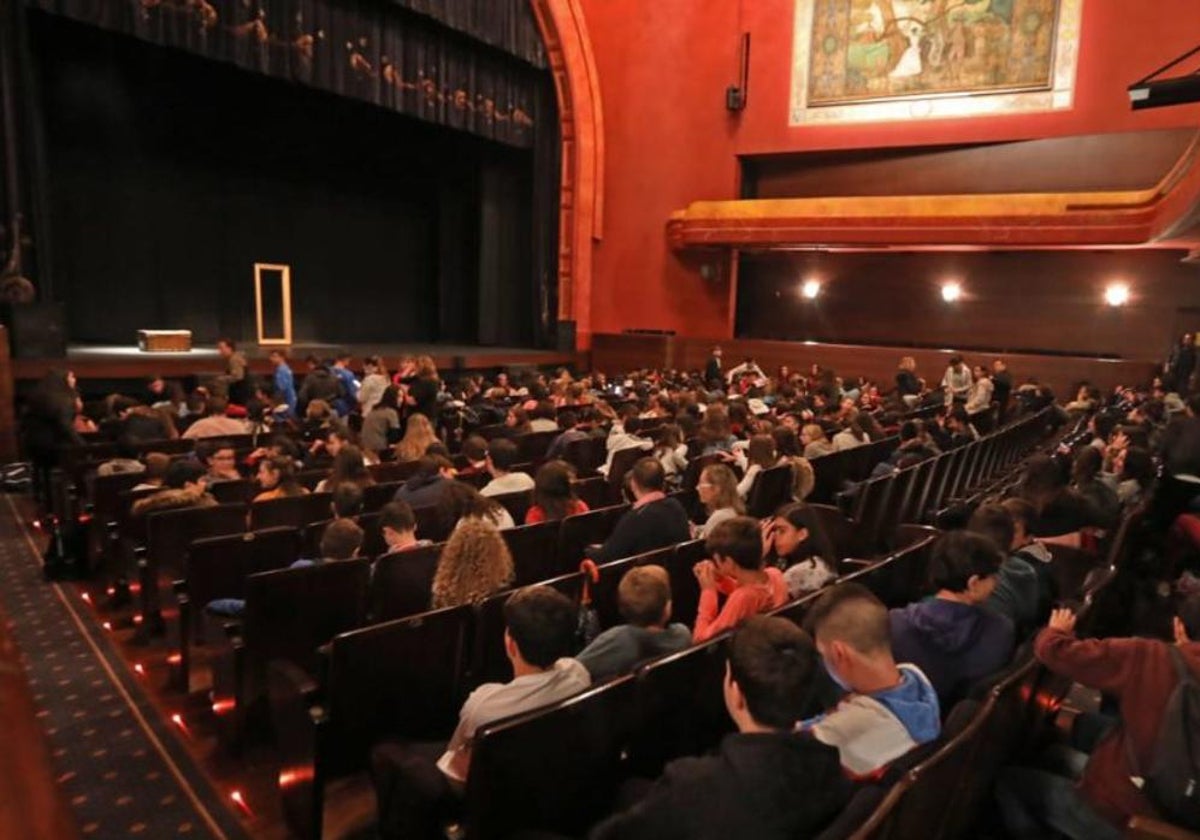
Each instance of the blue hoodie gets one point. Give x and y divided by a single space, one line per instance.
873 730
953 644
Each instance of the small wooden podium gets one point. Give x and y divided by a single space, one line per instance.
165 341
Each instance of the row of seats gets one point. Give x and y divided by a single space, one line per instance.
407 678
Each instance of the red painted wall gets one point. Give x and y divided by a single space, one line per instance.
664 66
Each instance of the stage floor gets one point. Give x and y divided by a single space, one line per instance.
92 361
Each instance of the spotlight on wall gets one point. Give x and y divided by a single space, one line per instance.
1117 294
810 289
951 292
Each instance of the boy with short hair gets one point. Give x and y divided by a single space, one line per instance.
644 600
765 781
952 637
415 789
737 569
398 524
888 709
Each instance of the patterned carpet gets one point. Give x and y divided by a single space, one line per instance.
120 767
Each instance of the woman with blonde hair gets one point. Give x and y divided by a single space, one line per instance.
474 564
418 434
718 491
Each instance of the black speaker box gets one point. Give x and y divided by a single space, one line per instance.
564 333
36 330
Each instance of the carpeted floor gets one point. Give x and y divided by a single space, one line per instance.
122 770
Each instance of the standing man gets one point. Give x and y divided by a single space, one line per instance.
1001 386
712 371
233 381
285 383
957 381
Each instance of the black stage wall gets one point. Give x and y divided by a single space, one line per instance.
171 175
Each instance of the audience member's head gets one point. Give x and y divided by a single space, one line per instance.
995 522
398 524
474 564
475 449
502 456
1023 516
799 535
157 464
553 491
347 500
735 544
540 628
771 673
718 489
342 540
644 596
647 476
850 627
185 474
964 566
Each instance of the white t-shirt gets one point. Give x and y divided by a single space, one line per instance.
495 701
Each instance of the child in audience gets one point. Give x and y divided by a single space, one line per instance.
888 709
952 637
644 600
765 782
736 570
1016 594
417 791
474 564
553 494
1141 675
398 525
277 477
793 540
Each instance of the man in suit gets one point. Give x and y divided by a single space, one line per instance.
712 371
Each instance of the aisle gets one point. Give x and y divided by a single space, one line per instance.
123 772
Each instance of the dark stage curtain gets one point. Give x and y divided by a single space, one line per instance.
424 58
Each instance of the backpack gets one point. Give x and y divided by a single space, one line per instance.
1172 780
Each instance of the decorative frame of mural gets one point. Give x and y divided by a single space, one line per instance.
881 60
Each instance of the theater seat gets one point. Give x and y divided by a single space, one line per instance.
550 770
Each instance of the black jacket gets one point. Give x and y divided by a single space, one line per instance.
761 786
321 384
654 525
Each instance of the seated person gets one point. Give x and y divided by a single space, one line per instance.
475 451
793 540
183 487
736 570
644 601
215 423
765 781
718 492
655 521
347 501
277 478
888 709
572 431
341 540
398 525
624 435
1141 674
415 790
1016 594
126 460
424 487
553 494
502 456
913 448
474 564
1060 513
952 637
220 459
157 464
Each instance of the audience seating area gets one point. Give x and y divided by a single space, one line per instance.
341 656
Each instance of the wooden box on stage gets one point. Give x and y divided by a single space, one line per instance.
165 341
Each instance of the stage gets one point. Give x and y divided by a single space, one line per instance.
105 362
